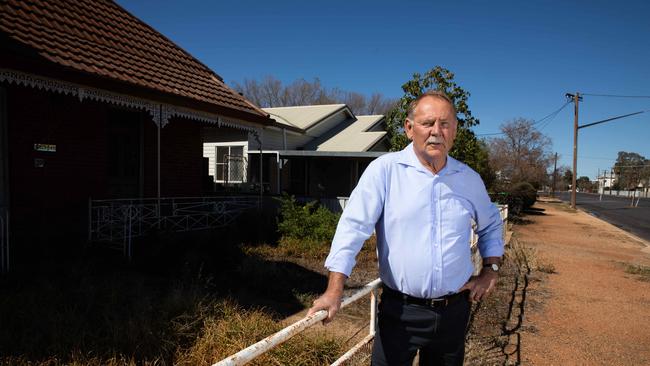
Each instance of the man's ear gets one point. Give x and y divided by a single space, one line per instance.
408 128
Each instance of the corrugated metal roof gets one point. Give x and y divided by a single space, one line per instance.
100 38
303 117
355 137
328 154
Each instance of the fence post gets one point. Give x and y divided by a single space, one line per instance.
373 311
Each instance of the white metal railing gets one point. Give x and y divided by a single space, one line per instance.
261 347
118 221
4 240
248 354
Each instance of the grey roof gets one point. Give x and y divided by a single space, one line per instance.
343 154
355 137
303 117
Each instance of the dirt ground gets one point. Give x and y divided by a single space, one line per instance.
588 310
564 296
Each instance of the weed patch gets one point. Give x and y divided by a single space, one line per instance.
643 272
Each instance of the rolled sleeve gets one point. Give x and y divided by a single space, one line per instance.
489 226
358 220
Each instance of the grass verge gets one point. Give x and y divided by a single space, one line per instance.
642 272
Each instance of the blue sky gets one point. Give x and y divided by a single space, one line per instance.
516 58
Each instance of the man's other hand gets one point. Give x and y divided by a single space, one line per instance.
481 286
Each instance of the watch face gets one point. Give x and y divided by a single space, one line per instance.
495 267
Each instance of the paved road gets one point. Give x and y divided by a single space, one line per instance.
616 210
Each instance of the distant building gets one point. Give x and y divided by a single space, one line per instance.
316 151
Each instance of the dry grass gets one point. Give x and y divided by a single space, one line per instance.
494 336
643 272
96 313
226 328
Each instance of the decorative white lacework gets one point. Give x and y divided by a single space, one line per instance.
160 113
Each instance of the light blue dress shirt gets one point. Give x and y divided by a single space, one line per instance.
422 221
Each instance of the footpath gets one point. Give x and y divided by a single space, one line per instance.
592 308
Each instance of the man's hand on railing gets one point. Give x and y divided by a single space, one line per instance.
330 301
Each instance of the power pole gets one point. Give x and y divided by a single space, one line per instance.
576 100
554 176
598 181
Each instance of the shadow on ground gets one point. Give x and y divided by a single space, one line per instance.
90 300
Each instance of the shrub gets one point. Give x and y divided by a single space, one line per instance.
310 222
518 197
526 192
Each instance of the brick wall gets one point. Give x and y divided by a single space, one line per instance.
181 158
51 200
49 203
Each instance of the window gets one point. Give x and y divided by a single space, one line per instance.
230 164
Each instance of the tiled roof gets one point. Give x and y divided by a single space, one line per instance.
99 37
356 137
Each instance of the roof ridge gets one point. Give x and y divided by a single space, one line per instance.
307 106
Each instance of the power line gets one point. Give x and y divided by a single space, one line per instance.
595 158
610 119
549 116
554 115
616 96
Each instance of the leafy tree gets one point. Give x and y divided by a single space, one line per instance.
522 154
567 177
467 148
584 184
631 169
560 180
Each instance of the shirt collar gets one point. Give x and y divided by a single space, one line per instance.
407 157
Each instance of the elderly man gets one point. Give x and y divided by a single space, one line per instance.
421 203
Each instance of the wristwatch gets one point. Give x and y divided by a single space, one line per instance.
492 266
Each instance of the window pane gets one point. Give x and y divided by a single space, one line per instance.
236 169
222 151
219 172
237 150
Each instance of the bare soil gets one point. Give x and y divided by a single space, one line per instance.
566 296
587 310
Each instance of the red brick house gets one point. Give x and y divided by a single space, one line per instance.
95 104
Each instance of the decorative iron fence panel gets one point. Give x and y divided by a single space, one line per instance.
117 222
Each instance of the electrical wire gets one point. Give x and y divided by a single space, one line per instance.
554 115
615 95
548 118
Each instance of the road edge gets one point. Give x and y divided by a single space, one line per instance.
644 242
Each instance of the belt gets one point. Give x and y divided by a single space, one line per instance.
437 302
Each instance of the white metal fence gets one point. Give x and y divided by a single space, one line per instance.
250 353
643 193
116 222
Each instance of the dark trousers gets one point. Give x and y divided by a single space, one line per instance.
403 329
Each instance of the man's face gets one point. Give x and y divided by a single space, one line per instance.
432 129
